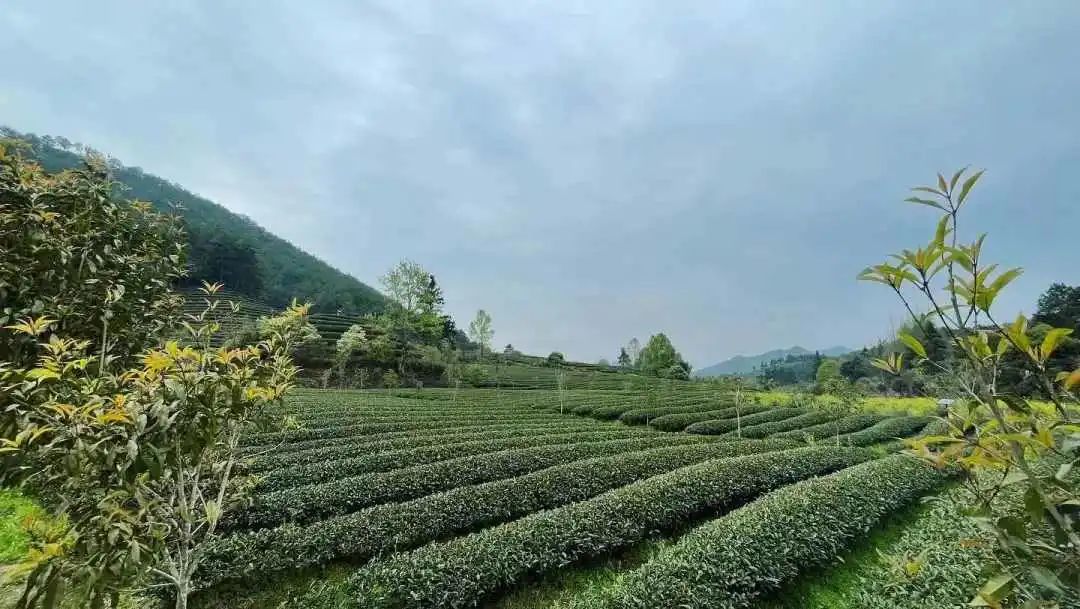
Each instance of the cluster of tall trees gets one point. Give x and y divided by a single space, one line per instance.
657 358
412 340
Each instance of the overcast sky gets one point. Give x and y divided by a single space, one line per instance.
589 171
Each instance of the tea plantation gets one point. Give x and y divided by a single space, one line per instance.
450 499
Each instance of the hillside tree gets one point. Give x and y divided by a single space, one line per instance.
828 370
480 331
414 316
1059 306
659 358
352 341
633 349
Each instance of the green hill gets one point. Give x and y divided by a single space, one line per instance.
749 365
225 246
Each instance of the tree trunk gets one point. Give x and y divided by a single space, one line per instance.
182 591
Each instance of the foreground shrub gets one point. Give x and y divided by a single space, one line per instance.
734 560
462 571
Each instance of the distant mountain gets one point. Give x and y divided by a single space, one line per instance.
224 246
746 365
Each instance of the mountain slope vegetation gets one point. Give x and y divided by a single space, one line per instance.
751 364
224 246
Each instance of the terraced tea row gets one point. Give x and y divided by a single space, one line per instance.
398 526
729 562
463 571
444 500
313 502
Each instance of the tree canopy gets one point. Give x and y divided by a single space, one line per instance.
659 358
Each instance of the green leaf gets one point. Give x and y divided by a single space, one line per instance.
943 186
956 178
1072 379
1063 471
1046 579
1033 505
966 188
213 512
1051 341
926 202
999 284
929 189
994 591
942 231
912 343
1013 526
42 374
1014 402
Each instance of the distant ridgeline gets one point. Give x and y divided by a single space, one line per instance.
752 365
224 246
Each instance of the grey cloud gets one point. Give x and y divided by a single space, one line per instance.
587 171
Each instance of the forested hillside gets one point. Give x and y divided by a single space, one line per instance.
750 365
224 246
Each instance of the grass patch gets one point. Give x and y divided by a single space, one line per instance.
14 509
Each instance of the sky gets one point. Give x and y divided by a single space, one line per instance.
588 172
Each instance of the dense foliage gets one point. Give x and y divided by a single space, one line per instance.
659 358
125 436
98 266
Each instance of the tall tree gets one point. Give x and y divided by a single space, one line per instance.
624 358
414 315
480 330
409 285
659 358
1059 306
633 349
349 343
828 370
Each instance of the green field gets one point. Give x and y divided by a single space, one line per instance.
482 498
485 498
